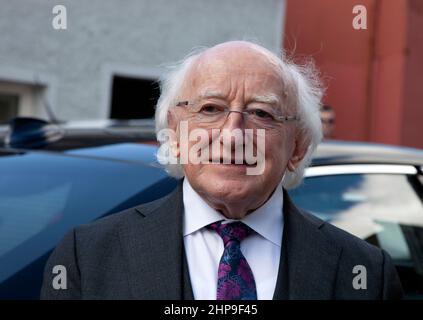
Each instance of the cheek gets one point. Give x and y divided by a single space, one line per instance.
277 153
192 172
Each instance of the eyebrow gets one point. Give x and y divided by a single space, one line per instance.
269 98
207 94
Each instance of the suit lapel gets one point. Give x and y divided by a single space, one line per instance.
187 288
152 243
308 264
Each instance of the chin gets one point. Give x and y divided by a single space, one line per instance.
224 183
232 188
228 172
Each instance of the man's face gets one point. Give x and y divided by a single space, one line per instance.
234 76
328 123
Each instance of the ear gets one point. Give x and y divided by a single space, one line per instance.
300 149
172 121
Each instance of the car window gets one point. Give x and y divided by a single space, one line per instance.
361 204
383 209
24 215
42 196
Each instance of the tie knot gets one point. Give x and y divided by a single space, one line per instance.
234 231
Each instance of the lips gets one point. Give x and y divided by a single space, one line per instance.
231 161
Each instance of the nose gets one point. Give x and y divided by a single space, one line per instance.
234 120
233 123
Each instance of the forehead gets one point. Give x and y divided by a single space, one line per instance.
232 74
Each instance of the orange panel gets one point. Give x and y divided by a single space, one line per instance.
323 29
373 76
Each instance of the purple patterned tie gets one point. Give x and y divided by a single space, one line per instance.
235 280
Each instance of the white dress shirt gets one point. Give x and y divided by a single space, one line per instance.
204 247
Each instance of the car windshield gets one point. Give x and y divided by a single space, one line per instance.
384 209
43 195
359 203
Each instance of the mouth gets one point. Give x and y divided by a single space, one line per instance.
232 162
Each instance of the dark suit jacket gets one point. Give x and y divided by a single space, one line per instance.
139 254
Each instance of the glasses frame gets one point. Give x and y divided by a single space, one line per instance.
280 119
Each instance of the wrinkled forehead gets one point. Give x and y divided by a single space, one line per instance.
231 72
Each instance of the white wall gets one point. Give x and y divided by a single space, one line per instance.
134 37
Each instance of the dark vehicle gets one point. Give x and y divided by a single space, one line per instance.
372 191
44 194
57 176
33 133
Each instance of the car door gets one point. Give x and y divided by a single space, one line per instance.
381 204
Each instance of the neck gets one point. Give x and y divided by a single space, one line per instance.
237 210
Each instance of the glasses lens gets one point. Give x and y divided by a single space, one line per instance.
213 115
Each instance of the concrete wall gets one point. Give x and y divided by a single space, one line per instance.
132 37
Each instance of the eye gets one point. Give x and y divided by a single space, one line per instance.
210 109
261 114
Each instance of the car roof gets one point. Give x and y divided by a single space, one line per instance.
345 152
131 153
99 124
32 133
109 132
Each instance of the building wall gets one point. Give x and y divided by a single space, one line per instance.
323 30
372 76
412 133
388 77
133 37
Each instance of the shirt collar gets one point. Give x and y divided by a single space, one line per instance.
267 220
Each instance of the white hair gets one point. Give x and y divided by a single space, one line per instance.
302 90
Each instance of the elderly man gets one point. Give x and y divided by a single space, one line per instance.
227 231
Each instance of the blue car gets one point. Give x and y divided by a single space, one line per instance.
372 191
43 194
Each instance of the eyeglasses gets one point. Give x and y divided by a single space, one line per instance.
214 115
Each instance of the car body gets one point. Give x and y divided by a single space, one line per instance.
33 133
44 194
374 192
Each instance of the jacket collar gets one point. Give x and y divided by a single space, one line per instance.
309 260
152 245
